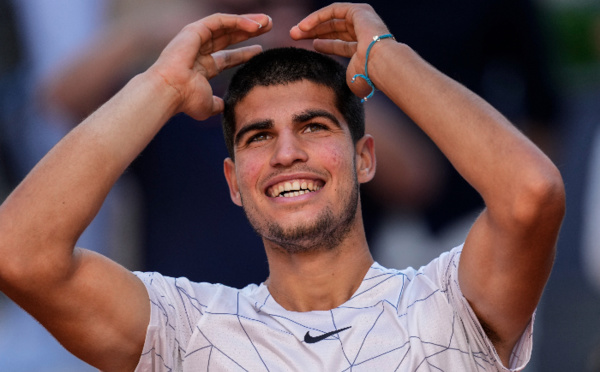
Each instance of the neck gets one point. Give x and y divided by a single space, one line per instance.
319 279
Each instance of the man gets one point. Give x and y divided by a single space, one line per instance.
326 305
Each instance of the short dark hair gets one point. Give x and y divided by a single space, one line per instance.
282 66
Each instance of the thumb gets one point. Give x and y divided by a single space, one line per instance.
218 105
202 113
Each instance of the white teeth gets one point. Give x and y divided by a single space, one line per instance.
294 188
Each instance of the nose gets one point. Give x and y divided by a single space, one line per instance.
288 150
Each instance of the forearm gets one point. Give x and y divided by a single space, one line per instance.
48 211
509 251
492 155
94 307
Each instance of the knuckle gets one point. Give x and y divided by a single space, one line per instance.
188 28
364 7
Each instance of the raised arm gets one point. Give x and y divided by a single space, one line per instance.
95 308
508 254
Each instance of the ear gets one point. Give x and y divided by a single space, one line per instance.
230 176
365 158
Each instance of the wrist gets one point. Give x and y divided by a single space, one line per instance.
386 56
365 75
162 92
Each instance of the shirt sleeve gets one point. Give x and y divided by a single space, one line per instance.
521 353
171 324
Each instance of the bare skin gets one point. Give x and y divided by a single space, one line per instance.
510 249
78 295
315 276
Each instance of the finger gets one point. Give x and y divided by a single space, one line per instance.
333 26
335 47
360 21
332 29
218 105
223 40
225 59
247 22
259 18
330 12
228 29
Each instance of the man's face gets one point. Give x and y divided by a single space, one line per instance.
297 170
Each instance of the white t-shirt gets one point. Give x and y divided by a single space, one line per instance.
405 320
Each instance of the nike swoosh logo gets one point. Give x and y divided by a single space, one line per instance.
311 340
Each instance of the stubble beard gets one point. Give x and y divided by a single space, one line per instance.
324 233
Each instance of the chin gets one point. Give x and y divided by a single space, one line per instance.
324 233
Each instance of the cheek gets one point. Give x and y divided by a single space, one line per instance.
248 173
335 157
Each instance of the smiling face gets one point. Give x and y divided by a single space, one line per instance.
297 170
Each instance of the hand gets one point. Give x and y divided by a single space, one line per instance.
346 30
197 54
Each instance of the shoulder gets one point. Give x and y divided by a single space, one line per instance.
156 282
166 287
177 306
405 289
177 292
435 274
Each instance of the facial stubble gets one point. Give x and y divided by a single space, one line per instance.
325 232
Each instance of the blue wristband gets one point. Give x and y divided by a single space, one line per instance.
365 76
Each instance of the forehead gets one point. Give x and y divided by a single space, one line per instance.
278 102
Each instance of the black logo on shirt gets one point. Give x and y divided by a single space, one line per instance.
311 340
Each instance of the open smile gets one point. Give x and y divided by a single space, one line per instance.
291 188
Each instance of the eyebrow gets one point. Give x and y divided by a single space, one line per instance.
311 114
257 126
297 118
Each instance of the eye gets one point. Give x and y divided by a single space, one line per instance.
314 127
259 137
